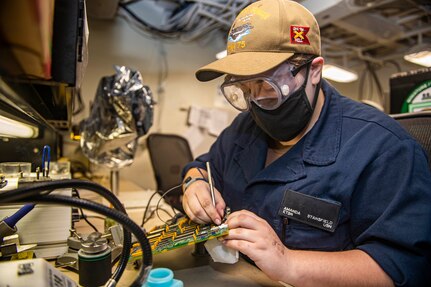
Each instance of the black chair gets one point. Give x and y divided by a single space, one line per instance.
169 154
418 124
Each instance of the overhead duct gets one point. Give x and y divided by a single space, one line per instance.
326 12
373 27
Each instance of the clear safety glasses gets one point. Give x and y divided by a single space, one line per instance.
263 91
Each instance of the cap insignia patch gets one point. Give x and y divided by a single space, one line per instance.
298 35
238 32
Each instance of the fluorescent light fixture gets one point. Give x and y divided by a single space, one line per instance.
420 55
221 54
15 129
338 74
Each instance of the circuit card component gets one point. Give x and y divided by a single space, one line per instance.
183 232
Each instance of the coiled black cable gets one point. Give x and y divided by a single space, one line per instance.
120 217
46 187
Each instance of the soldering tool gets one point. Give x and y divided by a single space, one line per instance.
210 182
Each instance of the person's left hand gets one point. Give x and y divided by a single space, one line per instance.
254 237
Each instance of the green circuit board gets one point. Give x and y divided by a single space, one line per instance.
184 232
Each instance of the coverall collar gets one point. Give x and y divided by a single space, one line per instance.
319 148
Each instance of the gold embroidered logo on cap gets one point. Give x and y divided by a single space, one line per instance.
239 30
235 36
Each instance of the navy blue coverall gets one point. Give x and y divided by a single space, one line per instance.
354 155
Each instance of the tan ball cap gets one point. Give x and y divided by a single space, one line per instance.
265 34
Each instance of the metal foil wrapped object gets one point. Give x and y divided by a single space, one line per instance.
122 112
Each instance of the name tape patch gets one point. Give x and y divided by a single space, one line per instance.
310 210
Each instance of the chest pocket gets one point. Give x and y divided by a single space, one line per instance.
297 235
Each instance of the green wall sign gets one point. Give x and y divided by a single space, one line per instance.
419 99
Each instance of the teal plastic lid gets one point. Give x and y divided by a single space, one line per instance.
162 277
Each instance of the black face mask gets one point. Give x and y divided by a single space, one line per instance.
290 118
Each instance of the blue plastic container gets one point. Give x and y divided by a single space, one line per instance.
162 277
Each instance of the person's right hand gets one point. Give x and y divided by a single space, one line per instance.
198 205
